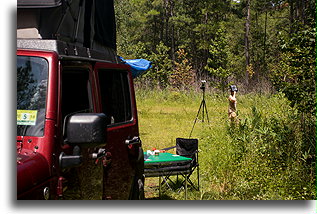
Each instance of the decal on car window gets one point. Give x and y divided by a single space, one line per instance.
26 117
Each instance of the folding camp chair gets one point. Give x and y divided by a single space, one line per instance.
187 148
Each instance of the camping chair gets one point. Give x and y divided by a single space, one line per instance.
187 148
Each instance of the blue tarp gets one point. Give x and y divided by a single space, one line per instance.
138 66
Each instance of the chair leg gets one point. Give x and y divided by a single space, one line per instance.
165 180
187 178
160 186
186 188
198 177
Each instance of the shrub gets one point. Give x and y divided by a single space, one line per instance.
183 75
271 158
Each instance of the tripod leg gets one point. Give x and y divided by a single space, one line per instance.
203 113
205 108
195 119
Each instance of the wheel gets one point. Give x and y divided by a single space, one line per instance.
138 182
139 189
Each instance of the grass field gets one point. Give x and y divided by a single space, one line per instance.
242 162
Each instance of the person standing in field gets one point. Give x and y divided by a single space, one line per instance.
232 111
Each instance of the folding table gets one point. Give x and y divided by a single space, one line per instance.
166 164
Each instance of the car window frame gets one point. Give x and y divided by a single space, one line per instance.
104 67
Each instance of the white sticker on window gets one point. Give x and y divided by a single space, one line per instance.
26 117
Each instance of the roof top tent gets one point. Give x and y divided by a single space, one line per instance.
70 27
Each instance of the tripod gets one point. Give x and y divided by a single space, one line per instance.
202 106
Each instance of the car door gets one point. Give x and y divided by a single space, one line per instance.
117 101
78 96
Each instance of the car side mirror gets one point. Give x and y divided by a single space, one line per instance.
86 129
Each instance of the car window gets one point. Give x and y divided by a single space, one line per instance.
115 95
76 92
32 76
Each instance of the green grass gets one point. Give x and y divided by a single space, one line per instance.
247 161
163 116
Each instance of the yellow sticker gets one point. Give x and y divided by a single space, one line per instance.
26 117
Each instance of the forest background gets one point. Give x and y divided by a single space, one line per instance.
266 47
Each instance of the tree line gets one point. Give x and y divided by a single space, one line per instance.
261 45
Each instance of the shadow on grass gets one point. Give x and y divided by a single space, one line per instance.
173 191
163 197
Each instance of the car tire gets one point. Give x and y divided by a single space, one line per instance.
138 183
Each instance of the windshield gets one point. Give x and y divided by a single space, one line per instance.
32 75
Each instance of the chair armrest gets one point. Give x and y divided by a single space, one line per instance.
169 148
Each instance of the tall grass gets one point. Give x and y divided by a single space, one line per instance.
263 156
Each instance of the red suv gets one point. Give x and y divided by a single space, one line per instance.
77 125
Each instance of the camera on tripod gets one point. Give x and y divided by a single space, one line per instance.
202 107
233 88
203 84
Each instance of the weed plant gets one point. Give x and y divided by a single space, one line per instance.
267 155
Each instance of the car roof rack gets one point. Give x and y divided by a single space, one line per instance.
69 51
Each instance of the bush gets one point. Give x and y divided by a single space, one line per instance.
272 160
293 72
183 75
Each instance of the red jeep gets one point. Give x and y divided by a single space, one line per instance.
77 125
